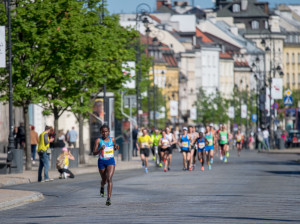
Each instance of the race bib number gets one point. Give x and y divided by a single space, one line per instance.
185 144
165 142
108 152
144 145
223 138
210 141
239 138
201 145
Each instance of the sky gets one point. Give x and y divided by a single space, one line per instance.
129 6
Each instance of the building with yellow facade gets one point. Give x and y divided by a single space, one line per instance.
291 61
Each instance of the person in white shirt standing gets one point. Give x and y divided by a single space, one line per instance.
72 137
266 138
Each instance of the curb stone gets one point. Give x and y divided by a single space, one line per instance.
34 196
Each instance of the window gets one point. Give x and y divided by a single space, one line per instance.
293 78
287 78
287 58
298 58
298 78
255 25
266 25
293 58
236 8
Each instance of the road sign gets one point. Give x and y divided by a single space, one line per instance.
129 101
288 100
254 117
288 92
275 105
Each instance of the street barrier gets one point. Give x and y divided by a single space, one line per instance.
55 152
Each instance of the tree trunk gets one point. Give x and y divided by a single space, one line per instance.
27 138
81 146
56 117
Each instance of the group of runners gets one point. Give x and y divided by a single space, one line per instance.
192 144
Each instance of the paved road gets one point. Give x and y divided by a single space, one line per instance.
255 188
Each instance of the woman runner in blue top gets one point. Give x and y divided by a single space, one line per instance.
104 147
185 144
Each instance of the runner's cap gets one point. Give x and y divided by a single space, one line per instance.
202 130
211 124
185 128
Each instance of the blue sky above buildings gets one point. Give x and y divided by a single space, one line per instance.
129 6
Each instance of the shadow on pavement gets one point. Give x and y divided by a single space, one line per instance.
247 218
289 163
285 172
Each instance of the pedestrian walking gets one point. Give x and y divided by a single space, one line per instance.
266 138
43 146
72 137
61 139
21 135
34 140
135 132
62 164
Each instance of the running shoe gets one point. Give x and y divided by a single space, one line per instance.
160 165
190 169
153 158
146 170
221 157
169 168
227 154
202 168
108 202
165 170
209 167
211 160
225 160
102 192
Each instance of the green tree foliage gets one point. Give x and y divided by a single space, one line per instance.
62 53
211 108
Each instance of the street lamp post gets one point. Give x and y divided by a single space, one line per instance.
11 125
142 10
148 88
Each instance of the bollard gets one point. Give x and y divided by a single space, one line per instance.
17 161
125 151
281 143
129 152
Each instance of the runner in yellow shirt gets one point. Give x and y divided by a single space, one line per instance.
143 144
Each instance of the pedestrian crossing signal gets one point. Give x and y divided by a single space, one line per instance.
288 100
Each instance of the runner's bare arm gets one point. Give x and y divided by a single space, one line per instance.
96 150
116 146
174 140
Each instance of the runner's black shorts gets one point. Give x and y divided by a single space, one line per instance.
222 145
145 151
166 149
